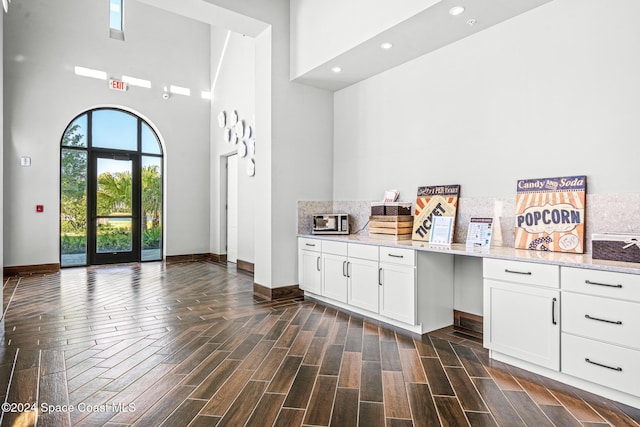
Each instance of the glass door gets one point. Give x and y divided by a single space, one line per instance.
114 206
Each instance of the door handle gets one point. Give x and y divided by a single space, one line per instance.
615 322
589 282
344 268
603 365
553 311
380 276
348 268
527 273
318 263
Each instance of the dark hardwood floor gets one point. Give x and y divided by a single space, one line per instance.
188 344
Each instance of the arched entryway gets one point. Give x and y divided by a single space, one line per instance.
111 167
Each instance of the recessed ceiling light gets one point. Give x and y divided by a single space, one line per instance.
386 46
456 10
336 69
179 90
134 81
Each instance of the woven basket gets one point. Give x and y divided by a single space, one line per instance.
614 250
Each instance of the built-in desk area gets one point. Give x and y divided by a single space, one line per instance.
565 316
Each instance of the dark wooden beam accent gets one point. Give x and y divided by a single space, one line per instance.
27 270
467 323
272 294
245 266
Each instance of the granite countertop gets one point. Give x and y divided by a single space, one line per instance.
498 252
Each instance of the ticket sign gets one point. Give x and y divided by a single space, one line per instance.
118 85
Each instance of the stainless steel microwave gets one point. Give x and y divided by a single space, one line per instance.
331 224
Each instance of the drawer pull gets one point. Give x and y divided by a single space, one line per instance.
526 273
615 322
589 282
396 256
603 366
310 244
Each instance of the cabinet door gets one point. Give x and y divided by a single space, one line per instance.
363 283
334 277
310 272
398 292
523 321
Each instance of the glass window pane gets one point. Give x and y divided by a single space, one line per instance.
114 191
113 235
114 129
151 208
73 208
150 143
76 134
115 14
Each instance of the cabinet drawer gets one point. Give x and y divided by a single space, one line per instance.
614 321
397 256
306 244
335 248
369 252
522 272
601 363
604 283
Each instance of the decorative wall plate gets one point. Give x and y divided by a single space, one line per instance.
251 167
248 132
228 134
222 119
242 149
240 129
234 138
232 119
251 147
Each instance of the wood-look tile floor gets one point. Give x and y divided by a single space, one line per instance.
189 344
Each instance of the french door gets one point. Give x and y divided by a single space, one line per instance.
114 207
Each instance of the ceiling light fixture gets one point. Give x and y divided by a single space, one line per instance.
386 46
134 81
179 90
456 10
88 72
336 70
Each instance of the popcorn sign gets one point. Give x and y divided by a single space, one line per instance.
550 214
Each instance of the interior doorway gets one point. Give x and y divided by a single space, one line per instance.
232 208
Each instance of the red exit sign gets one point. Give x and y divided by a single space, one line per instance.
118 85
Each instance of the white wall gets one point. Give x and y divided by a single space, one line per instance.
293 140
322 30
234 90
551 92
45 40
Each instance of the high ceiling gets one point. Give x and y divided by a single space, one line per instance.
425 32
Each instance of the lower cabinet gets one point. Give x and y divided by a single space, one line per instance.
310 265
363 283
397 280
522 311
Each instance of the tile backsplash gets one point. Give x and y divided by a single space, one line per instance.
605 213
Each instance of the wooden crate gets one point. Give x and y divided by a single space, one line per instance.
396 227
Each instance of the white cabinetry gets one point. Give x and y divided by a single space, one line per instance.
398 284
362 272
409 289
521 311
309 264
600 324
334 273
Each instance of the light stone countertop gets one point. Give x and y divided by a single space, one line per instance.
541 257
